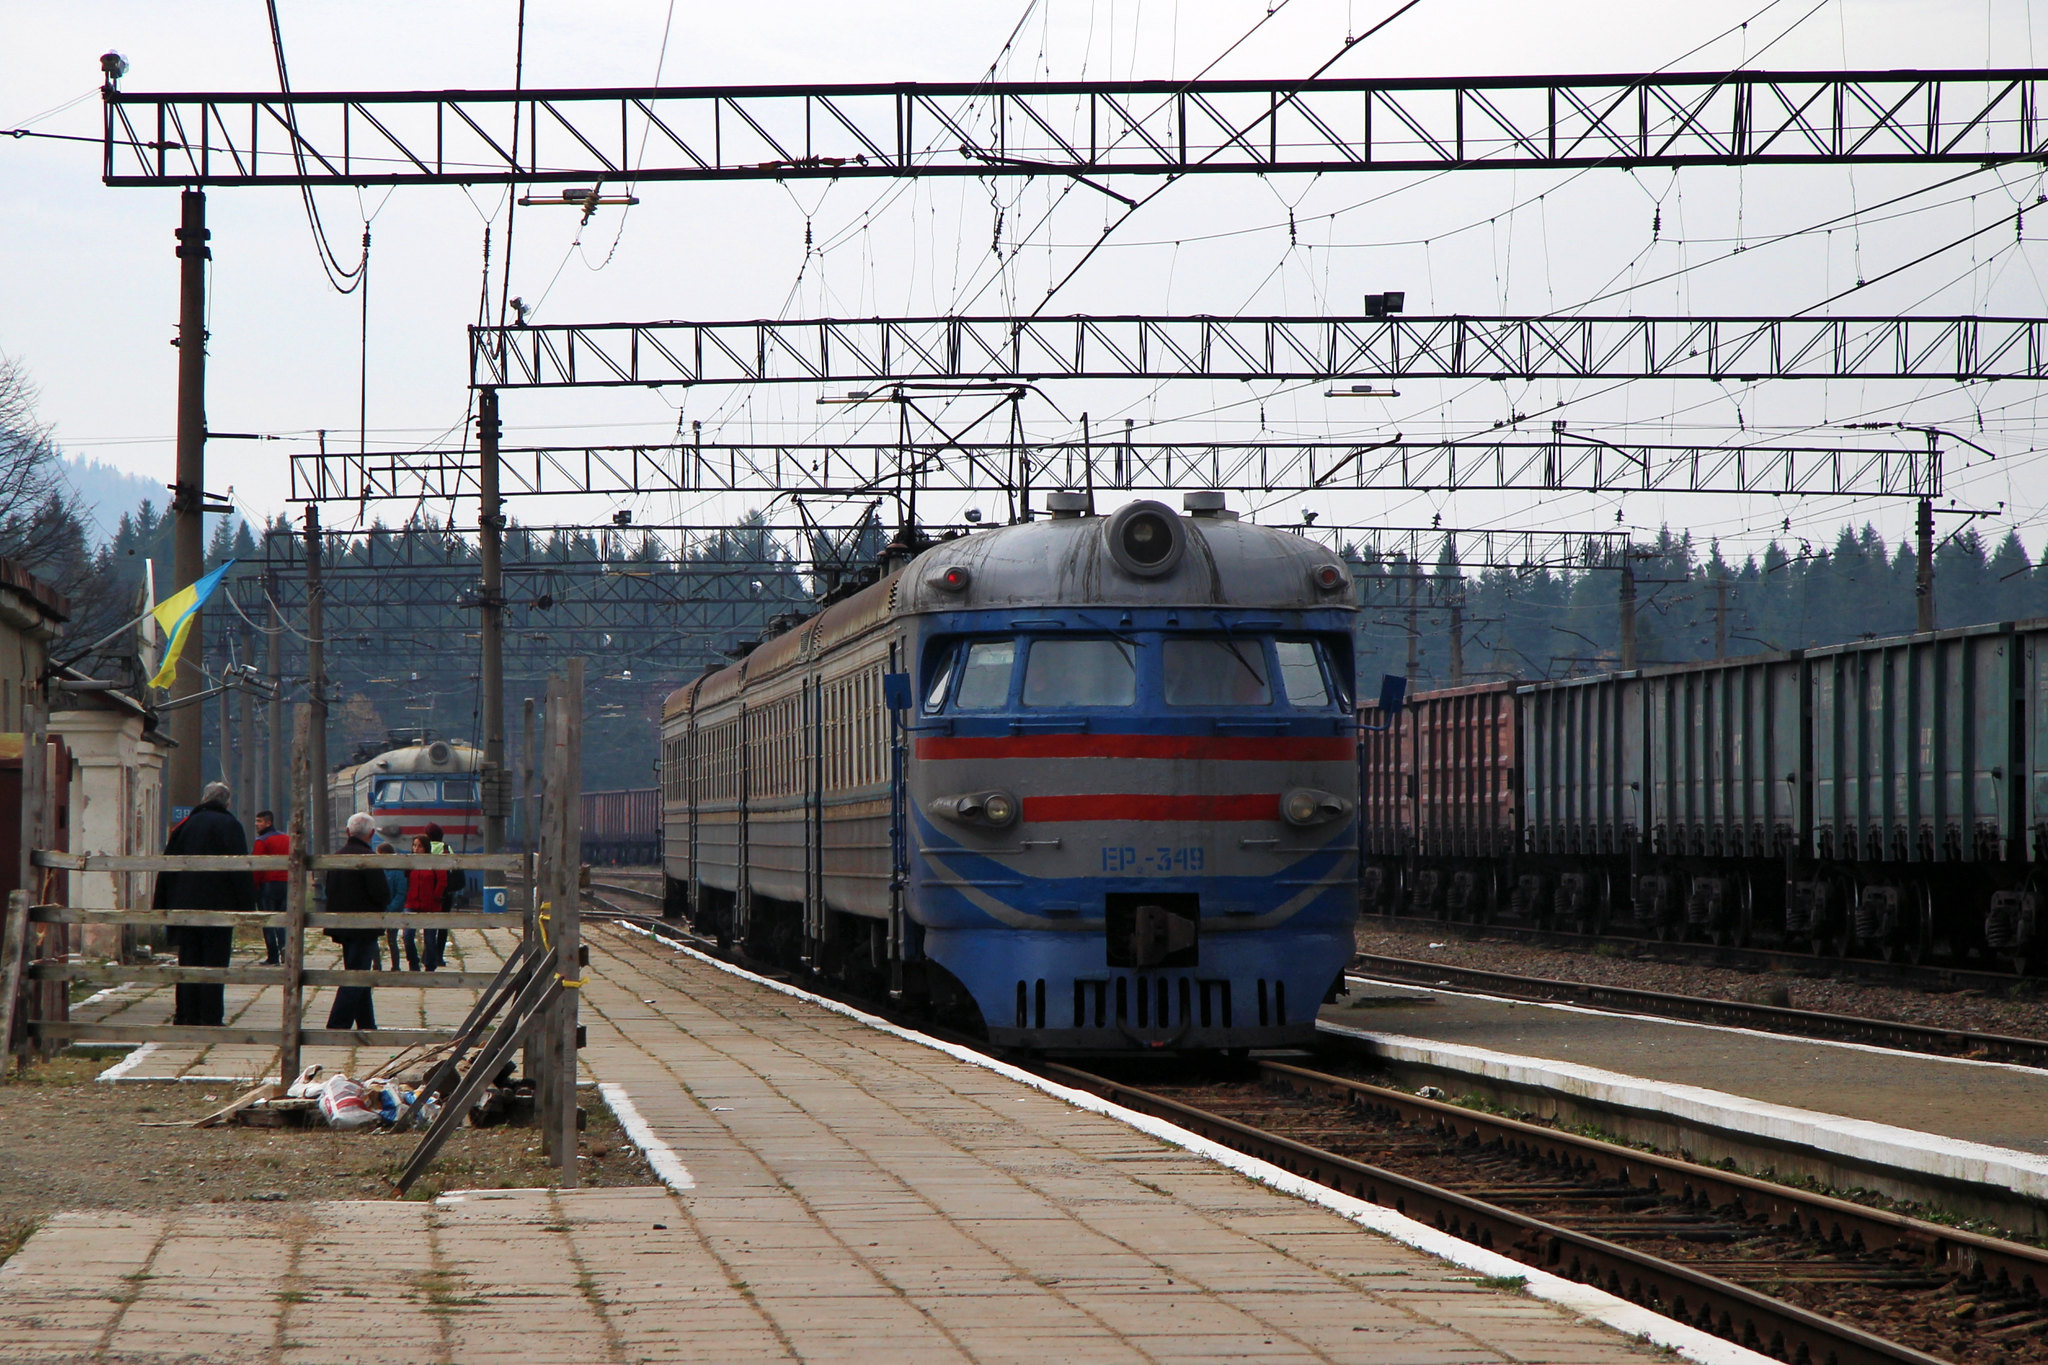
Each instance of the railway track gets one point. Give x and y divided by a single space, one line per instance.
1921 976
1921 1038
1916 1038
1799 1276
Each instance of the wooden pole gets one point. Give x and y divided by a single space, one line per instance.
568 921
291 995
13 947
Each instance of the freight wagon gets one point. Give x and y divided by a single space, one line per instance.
1887 797
622 828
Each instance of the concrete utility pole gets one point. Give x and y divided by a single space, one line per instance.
315 794
1720 585
1414 628
490 547
1923 586
276 793
1628 612
183 773
1457 606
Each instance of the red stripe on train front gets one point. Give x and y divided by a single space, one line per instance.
1143 806
1251 748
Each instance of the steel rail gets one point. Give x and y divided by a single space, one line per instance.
1712 1304
2010 1265
1905 1037
1924 976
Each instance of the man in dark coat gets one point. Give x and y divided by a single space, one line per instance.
209 829
356 891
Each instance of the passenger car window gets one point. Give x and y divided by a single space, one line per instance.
1301 675
1081 673
1206 670
985 676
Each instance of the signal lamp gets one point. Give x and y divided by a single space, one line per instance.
954 579
1328 577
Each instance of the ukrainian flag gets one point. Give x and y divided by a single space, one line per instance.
174 618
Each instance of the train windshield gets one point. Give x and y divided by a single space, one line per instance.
459 792
408 791
1215 670
1301 673
985 675
1081 673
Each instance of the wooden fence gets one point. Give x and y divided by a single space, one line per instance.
549 911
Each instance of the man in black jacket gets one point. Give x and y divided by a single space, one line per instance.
353 891
209 829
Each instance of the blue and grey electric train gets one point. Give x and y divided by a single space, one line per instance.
1080 783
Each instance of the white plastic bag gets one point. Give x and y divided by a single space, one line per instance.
341 1104
308 1083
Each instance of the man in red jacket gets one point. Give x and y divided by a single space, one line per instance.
270 886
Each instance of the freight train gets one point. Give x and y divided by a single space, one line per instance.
1081 783
621 828
409 785
1885 798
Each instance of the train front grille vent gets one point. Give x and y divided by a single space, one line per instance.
1151 1002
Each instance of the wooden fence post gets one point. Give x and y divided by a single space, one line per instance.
568 921
291 997
13 947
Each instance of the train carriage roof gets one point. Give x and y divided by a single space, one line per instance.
1069 559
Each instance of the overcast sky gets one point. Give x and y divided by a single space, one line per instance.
88 294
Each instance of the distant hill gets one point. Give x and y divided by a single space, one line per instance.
107 492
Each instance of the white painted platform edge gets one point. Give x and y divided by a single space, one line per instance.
119 1070
660 1156
1585 1300
1905 1149
1565 1007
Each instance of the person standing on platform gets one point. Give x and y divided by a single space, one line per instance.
436 951
209 829
270 886
356 891
396 878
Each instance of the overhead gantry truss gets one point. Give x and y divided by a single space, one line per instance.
1332 349
1566 462
1094 128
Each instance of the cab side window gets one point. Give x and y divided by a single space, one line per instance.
1301 673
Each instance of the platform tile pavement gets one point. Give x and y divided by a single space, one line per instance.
856 1198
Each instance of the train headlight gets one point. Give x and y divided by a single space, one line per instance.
1305 806
1145 539
1328 578
994 809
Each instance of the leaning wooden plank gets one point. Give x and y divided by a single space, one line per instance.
526 1014
512 978
269 1090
